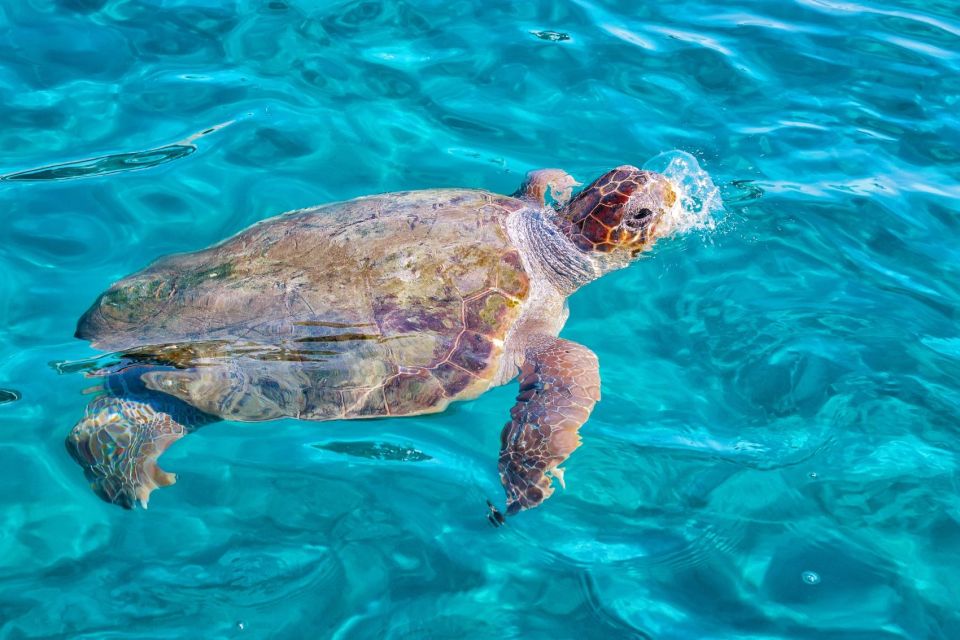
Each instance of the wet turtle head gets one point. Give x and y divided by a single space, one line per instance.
621 211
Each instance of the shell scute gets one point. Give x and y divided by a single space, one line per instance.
410 392
512 278
395 316
487 313
472 270
472 352
371 402
452 379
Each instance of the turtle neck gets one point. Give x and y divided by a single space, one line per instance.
550 254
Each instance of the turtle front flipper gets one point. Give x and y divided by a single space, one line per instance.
547 187
559 384
118 441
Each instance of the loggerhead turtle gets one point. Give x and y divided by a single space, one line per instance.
387 305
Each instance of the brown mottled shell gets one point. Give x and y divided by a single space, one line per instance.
387 305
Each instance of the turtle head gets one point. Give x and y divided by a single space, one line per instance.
621 213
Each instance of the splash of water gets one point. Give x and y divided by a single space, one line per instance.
699 205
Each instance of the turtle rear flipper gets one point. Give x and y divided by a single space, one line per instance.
119 440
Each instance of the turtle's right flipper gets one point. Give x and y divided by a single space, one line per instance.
118 441
559 384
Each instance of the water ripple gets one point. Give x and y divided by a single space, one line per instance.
114 162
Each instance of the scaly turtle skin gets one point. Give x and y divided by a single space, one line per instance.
386 305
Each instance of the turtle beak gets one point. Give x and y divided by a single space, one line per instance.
664 196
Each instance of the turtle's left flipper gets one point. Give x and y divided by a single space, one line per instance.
559 384
547 187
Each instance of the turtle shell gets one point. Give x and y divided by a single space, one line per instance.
386 305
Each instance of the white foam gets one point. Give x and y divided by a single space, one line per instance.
698 205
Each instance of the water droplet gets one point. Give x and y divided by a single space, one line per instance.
810 577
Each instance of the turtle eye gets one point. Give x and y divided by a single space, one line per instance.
639 219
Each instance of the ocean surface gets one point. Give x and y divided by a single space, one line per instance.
776 451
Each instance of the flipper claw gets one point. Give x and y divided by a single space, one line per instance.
495 517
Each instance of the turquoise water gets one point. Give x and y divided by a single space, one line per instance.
776 452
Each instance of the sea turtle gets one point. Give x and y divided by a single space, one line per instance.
387 305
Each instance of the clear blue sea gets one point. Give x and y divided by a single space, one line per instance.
777 452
